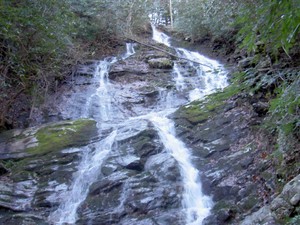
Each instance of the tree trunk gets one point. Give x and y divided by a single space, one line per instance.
171 14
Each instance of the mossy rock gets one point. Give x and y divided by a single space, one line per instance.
63 135
202 110
161 63
45 138
196 112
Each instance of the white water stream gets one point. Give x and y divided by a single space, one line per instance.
160 37
88 172
94 154
101 94
196 206
211 74
129 50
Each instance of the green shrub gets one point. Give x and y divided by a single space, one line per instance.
274 23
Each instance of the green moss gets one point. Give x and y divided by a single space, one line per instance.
223 204
200 111
62 135
227 93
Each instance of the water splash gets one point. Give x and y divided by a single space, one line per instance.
160 37
129 50
212 77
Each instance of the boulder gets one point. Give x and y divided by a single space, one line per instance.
45 138
161 63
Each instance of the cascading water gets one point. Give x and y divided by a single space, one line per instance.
88 171
179 79
94 154
129 50
101 106
102 94
211 74
160 37
196 205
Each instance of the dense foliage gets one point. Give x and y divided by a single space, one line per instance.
274 23
30 38
34 39
209 17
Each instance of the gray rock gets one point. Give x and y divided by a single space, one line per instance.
161 63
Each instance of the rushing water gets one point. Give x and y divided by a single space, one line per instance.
196 204
94 154
100 106
160 37
129 50
88 171
101 94
211 75
179 79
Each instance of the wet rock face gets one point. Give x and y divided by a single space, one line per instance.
135 186
35 166
233 158
281 208
45 138
139 183
136 89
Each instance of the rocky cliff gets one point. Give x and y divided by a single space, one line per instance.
250 180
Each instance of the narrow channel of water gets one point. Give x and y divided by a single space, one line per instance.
195 204
88 171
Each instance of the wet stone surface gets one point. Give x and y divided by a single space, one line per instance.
139 182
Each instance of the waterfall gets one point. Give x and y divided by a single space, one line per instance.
179 79
160 37
101 94
101 106
211 74
88 171
129 50
196 205
93 155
